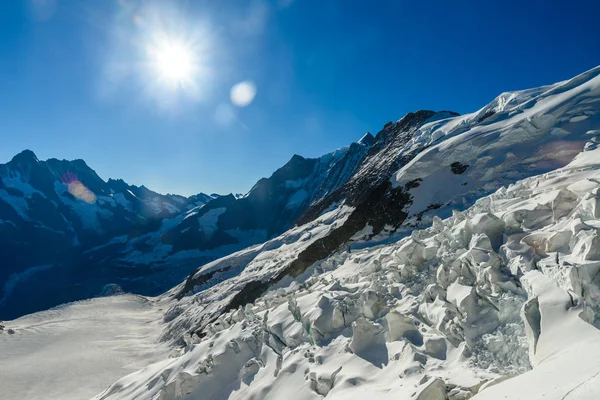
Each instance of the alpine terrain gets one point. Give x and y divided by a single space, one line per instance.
446 257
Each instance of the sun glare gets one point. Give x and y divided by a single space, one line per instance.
173 62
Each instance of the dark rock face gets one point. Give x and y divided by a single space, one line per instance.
485 116
458 168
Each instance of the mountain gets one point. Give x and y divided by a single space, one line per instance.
445 257
52 211
135 240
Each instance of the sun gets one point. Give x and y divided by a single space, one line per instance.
173 62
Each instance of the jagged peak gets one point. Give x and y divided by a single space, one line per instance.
367 139
417 118
80 163
296 157
26 155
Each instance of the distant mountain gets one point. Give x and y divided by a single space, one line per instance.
61 223
271 206
51 211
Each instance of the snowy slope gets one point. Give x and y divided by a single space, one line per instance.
519 134
434 315
74 351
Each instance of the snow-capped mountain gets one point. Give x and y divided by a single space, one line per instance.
132 239
51 211
446 257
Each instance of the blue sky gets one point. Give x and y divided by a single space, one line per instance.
77 82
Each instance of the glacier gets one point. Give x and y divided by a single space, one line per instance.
484 283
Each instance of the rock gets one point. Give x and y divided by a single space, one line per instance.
458 168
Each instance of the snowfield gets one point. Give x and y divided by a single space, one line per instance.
75 351
499 300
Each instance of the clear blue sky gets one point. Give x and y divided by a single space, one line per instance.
76 80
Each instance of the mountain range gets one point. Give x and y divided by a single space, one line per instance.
445 257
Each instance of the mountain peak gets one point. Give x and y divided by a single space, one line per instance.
26 156
367 140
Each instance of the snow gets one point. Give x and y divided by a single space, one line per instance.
566 355
434 315
16 182
90 215
76 350
501 299
122 200
517 141
209 220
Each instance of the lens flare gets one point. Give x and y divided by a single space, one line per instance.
78 189
243 93
81 192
